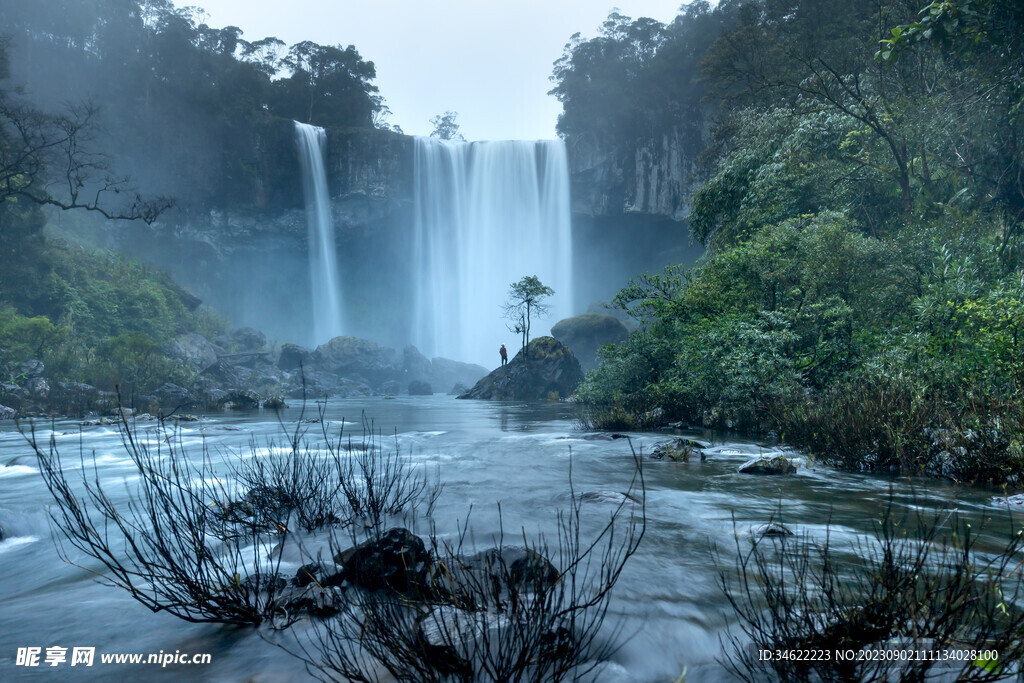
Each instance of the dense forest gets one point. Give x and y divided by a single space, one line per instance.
129 110
864 191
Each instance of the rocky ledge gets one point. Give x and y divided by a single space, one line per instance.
547 370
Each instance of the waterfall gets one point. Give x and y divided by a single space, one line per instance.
487 214
323 262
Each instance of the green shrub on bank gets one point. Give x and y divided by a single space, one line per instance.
899 354
97 317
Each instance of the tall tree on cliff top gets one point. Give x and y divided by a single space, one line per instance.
445 127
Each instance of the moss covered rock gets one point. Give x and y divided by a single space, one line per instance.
587 333
548 370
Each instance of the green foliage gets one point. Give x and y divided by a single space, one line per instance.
96 317
526 300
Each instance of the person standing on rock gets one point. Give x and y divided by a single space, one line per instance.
504 354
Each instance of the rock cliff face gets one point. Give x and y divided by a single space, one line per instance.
650 176
248 256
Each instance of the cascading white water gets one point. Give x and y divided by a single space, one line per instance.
487 214
323 262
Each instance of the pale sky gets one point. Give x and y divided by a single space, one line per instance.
488 61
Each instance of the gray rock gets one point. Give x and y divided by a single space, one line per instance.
249 339
32 368
397 561
459 388
446 373
391 388
194 350
293 356
420 388
38 388
239 399
587 333
777 465
415 364
354 358
548 371
7 413
678 450
274 403
171 397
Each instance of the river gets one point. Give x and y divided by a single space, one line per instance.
668 598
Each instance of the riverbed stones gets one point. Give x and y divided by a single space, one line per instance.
397 560
678 450
768 466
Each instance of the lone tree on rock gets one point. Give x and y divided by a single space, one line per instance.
525 301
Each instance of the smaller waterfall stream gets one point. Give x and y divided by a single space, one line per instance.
323 262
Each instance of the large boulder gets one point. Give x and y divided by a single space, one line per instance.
7 413
249 339
194 350
548 370
398 560
354 358
293 357
587 333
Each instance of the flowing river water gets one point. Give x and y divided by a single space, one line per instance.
668 600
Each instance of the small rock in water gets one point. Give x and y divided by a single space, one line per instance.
770 529
777 465
7 413
677 450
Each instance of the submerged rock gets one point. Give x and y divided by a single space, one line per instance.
548 370
587 333
770 529
777 465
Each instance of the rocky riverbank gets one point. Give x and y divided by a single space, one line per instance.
241 372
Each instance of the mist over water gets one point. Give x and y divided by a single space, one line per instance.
323 262
487 214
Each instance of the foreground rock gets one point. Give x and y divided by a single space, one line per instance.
678 450
548 371
396 561
587 333
777 465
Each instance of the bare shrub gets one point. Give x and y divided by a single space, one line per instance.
504 614
924 584
166 545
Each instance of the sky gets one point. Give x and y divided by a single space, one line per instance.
489 61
